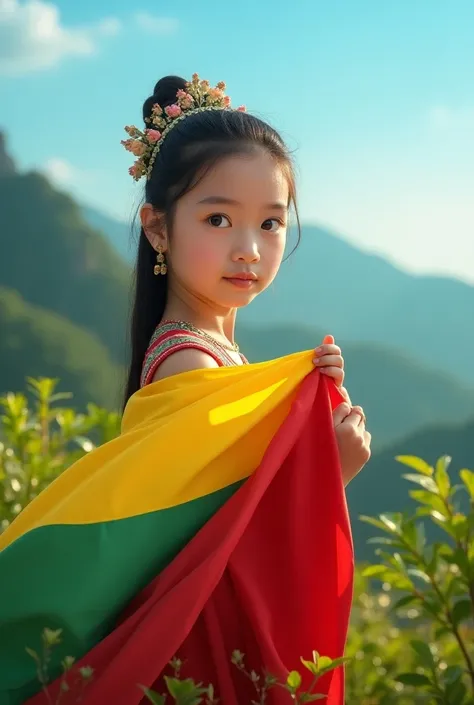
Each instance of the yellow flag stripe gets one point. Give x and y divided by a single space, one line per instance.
180 441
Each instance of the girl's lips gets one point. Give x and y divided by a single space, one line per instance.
240 282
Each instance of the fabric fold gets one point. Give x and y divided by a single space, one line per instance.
244 544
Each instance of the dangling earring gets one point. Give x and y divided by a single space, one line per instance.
160 267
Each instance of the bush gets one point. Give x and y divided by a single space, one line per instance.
411 638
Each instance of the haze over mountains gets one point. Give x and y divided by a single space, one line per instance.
408 341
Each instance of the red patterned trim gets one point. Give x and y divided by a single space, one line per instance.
170 338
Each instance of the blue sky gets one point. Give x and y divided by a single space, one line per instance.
376 98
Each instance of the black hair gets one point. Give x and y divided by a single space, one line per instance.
189 150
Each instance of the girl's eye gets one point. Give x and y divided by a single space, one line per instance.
219 221
271 224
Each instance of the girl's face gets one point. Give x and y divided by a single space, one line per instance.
229 232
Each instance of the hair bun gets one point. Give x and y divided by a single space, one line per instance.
164 93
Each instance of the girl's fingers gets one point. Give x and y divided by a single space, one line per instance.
336 373
327 350
359 410
340 413
329 361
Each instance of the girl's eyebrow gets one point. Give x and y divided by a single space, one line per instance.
221 200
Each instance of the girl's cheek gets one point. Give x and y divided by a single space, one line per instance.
273 257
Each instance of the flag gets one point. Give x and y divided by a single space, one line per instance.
216 521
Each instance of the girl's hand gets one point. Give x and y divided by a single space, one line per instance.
353 440
328 358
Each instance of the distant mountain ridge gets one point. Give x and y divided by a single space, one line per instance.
330 284
68 272
398 394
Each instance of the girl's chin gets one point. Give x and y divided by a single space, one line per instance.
238 301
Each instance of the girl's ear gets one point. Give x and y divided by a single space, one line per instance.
154 226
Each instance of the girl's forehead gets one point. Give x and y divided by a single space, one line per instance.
244 178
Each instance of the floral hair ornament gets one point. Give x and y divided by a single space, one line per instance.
197 97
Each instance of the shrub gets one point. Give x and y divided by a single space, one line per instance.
411 638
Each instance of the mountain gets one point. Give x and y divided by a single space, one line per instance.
38 343
398 394
58 262
118 233
61 266
361 297
329 284
380 487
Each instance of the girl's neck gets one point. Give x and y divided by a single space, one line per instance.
220 324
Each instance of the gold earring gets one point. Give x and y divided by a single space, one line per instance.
160 267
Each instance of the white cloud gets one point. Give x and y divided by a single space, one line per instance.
32 37
65 175
442 117
60 171
156 25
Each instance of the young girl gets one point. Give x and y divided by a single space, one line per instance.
217 520
219 187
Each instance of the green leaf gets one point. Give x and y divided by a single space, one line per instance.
404 601
33 654
375 522
153 697
294 680
325 662
311 697
417 573
67 663
415 679
391 521
52 637
441 476
441 631
399 562
424 652
456 692
385 541
432 605
86 672
426 482
311 666
467 476
416 463
237 658
185 692
459 558
372 570
420 541
462 610
432 563
430 499
452 673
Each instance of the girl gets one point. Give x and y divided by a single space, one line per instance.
218 194
217 520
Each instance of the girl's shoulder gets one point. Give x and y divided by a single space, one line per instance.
172 336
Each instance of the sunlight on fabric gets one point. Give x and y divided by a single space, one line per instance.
241 407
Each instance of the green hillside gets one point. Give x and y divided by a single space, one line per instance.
55 260
398 394
381 488
58 263
37 343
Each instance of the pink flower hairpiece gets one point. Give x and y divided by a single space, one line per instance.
145 144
